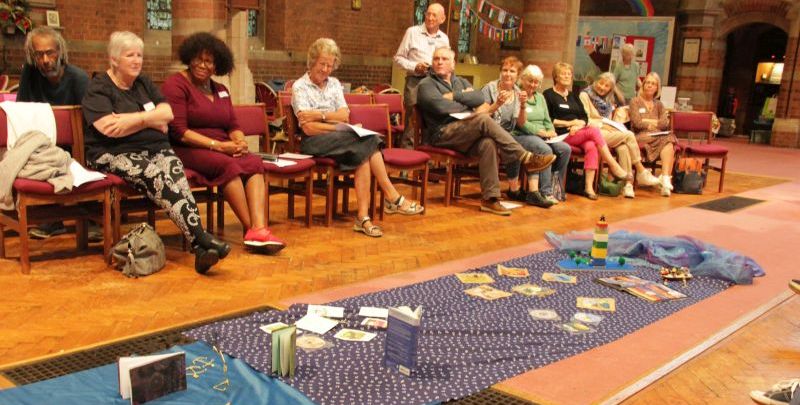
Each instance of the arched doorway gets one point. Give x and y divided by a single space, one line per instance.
753 61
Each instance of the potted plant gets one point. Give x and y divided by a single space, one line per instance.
14 15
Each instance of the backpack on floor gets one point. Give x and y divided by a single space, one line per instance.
689 176
140 252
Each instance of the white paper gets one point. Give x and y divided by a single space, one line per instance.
326 311
659 133
125 365
615 124
360 131
81 175
373 312
461 115
510 205
668 94
295 156
559 138
271 327
349 335
316 324
281 162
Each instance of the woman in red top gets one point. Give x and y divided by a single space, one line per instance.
207 138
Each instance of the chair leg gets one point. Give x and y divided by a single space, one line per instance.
81 236
309 195
209 195
448 183
24 248
2 242
290 197
423 189
220 212
107 232
722 172
330 199
117 216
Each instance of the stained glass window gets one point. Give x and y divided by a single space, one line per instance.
464 32
252 23
159 15
419 11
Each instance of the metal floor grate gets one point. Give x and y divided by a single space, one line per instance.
727 204
490 396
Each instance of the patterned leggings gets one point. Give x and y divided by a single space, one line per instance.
162 179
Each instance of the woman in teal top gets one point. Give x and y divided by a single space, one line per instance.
536 129
627 76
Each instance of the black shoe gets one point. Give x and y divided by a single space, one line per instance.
518 195
204 259
95 232
536 198
45 231
208 242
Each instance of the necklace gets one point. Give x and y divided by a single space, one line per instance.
205 87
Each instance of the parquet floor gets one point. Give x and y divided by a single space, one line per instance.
69 302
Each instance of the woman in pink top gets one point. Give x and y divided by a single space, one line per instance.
207 138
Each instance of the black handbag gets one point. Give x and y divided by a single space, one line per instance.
689 176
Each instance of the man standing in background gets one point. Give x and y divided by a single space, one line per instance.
414 55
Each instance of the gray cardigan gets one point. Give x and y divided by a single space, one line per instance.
436 109
34 157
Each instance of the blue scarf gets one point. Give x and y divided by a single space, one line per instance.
603 107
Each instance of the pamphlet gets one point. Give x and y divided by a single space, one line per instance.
559 138
533 290
402 338
487 292
597 304
510 205
146 378
375 323
644 289
517 272
559 278
373 312
81 175
295 156
315 323
284 341
272 327
354 335
326 311
474 278
281 162
360 131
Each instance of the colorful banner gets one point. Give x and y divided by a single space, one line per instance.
510 27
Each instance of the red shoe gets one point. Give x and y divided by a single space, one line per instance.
263 240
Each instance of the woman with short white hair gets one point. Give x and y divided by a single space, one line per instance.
318 101
126 135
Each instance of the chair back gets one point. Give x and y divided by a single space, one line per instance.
251 118
266 95
374 117
393 100
284 100
357 98
69 129
419 126
693 122
287 86
3 82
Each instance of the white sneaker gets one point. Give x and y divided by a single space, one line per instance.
552 199
665 182
646 178
627 191
779 394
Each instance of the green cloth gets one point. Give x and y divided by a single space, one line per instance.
626 78
537 116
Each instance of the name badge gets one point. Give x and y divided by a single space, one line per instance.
642 110
223 94
149 106
529 110
564 106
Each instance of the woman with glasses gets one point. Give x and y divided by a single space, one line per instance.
207 138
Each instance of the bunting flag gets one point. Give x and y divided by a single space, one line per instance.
486 12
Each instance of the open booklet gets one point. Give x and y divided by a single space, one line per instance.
618 125
462 115
145 378
360 131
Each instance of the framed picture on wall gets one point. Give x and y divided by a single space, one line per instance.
53 19
691 51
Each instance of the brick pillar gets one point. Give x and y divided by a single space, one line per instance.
241 79
786 127
190 16
549 32
700 82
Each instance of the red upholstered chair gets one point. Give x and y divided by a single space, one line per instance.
455 164
252 120
358 98
37 203
3 82
700 122
267 96
395 103
376 117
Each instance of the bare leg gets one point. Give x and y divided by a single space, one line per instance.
235 196
513 184
667 159
589 177
616 169
533 182
362 177
254 189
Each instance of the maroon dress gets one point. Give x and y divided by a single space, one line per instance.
193 110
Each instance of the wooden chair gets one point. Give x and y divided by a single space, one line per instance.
455 164
267 96
358 98
376 118
700 122
252 120
395 103
37 203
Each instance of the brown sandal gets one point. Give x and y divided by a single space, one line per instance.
372 230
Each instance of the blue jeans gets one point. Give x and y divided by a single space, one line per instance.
537 145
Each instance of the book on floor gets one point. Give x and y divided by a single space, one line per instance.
145 378
644 289
284 341
402 338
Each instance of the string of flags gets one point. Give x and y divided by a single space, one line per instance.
485 15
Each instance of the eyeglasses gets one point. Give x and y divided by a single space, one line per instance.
50 54
206 62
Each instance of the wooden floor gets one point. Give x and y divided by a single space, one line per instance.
70 302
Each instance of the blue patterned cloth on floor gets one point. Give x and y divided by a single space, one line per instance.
466 345
100 386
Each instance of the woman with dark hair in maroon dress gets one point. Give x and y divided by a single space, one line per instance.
207 138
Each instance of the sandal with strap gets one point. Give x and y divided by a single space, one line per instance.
397 207
372 230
